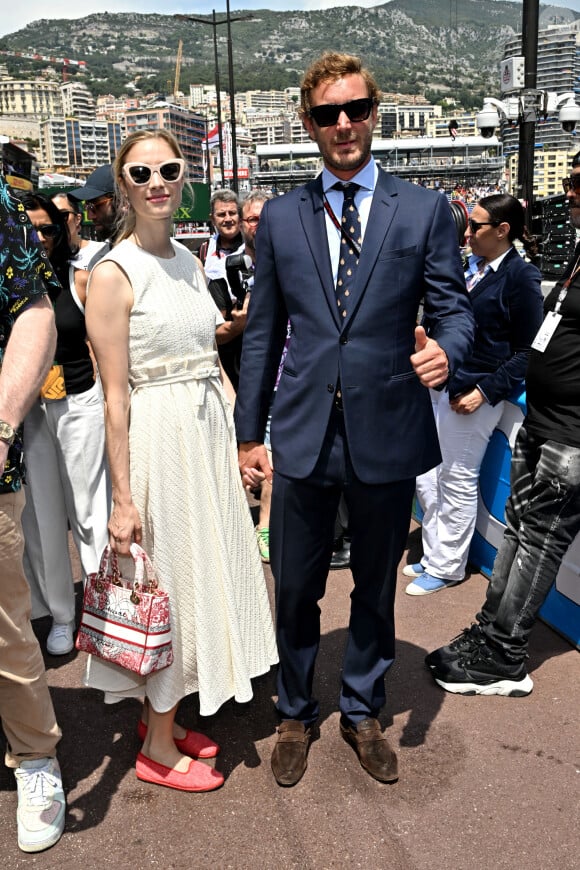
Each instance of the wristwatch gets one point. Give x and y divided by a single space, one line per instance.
7 433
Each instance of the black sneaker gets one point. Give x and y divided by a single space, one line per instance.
470 638
483 671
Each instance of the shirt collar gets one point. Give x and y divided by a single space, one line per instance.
473 263
365 177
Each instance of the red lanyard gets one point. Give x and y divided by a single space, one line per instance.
564 288
340 227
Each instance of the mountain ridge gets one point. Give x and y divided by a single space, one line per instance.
440 48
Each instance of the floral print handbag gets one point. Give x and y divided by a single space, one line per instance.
126 622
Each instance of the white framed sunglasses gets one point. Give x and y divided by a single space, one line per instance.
170 171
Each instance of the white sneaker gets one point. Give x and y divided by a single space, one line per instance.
41 804
60 638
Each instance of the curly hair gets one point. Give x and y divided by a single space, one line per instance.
330 67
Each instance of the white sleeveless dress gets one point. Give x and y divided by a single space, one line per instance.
185 483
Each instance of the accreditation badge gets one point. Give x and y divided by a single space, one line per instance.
546 331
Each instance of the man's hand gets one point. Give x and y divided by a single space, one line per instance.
429 360
468 402
253 464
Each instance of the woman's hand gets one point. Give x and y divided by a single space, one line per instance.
124 527
468 402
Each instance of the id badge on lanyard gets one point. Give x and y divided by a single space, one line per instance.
553 318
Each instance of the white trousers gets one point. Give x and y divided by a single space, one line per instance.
68 484
448 493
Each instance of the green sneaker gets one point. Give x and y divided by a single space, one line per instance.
264 544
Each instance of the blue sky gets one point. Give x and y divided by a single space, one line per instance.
14 17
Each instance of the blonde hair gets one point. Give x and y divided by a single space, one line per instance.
330 67
125 223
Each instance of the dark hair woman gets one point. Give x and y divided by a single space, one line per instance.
65 448
507 304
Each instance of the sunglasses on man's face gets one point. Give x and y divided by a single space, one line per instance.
571 183
327 115
49 231
95 204
169 170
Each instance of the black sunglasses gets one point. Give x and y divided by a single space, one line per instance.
573 182
169 170
328 114
475 225
49 231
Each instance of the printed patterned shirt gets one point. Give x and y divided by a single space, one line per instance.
25 277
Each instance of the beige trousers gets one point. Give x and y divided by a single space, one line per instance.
26 707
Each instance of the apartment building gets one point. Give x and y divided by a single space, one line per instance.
78 146
404 119
77 101
438 126
30 99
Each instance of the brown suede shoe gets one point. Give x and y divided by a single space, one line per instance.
289 755
373 749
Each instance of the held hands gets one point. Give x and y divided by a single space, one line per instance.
253 464
468 402
124 528
429 360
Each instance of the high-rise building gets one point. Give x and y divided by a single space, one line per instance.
77 101
558 70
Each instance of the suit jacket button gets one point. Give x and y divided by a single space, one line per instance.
330 388
343 339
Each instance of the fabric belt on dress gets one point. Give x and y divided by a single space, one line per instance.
185 370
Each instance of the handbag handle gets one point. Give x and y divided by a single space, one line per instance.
109 558
145 576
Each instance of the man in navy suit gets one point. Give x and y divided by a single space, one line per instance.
352 412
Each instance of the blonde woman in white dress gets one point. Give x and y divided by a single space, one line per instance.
172 454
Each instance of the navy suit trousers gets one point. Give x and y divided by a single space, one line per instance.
301 538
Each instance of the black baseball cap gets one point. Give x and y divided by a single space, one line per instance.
99 183
576 160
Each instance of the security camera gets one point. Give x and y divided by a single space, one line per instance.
487 120
569 116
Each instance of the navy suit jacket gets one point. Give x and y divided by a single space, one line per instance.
410 253
508 310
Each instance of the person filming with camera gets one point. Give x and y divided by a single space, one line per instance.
233 299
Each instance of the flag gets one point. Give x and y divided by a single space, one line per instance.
212 139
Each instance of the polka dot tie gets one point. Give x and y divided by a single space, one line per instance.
348 258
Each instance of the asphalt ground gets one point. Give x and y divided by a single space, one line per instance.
484 782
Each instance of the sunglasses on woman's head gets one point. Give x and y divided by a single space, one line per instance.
169 170
328 114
